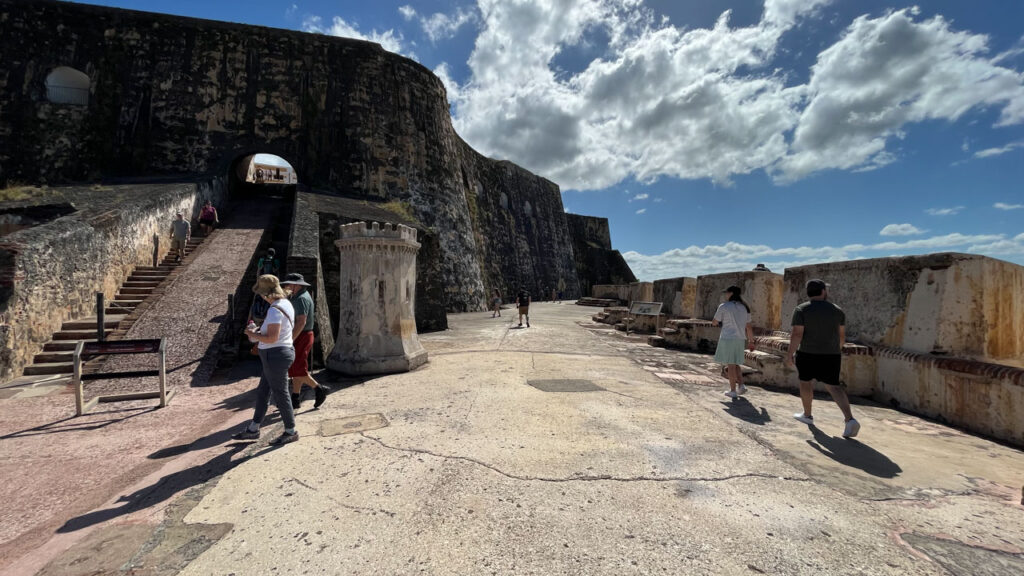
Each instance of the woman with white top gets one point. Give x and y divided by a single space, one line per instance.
733 316
274 341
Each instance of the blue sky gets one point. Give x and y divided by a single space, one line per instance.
716 135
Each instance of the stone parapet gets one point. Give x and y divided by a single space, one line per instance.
377 321
641 292
947 304
618 292
678 296
762 291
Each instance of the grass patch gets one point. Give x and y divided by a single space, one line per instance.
403 209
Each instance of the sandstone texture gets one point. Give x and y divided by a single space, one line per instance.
762 291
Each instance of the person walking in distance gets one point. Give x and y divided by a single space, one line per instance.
181 231
302 339
815 348
208 218
523 301
733 316
496 304
268 264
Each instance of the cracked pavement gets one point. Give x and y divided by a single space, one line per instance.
652 471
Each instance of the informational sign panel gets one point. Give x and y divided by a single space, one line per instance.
121 347
645 309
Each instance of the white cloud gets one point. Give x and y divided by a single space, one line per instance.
989 152
441 26
1005 206
709 103
733 256
642 196
407 12
389 39
641 211
657 199
944 211
901 230
290 12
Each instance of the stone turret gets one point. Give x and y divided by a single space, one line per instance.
377 322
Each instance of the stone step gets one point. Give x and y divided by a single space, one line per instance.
152 269
134 291
54 357
50 368
86 323
77 335
669 331
657 342
141 284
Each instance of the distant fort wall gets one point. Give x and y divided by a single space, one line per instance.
167 95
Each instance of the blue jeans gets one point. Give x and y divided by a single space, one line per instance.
274 383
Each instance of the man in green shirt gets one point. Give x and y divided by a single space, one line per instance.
816 348
302 339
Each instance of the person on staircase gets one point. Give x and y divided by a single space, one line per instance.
181 231
268 264
208 218
302 340
274 341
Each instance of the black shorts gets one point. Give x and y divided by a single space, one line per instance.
821 367
208 222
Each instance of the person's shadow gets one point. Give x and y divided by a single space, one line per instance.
853 453
742 408
176 482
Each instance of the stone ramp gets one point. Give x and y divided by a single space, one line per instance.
62 466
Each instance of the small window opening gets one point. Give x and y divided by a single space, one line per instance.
66 85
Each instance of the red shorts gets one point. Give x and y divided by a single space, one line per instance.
303 344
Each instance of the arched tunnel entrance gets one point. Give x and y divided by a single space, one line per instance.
261 174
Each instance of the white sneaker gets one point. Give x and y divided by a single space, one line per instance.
805 419
741 390
852 428
730 394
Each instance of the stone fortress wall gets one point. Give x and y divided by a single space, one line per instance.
51 272
939 335
171 96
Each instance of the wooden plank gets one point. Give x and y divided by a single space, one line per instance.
129 396
115 375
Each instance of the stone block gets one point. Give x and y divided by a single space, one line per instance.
677 295
618 292
641 291
762 291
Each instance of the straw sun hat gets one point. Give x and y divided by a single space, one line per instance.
269 286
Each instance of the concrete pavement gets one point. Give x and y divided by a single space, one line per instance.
568 448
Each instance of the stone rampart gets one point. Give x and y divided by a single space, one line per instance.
173 95
52 271
678 296
762 291
611 291
947 304
641 291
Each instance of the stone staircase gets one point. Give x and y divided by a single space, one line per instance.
598 302
57 357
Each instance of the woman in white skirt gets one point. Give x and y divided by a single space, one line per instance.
733 316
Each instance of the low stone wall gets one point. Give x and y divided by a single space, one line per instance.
762 291
958 304
678 296
641 291
618 292
53 271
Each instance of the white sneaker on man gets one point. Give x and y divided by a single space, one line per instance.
852 428
805 419
730 394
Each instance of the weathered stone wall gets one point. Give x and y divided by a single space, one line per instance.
762 291
617 291
53 271
596 262
641 291
947 303
173 95
677 296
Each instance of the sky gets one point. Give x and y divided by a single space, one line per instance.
718 135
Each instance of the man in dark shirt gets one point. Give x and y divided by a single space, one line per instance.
523 301
302 339
815 347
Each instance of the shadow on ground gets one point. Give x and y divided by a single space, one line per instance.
742 408
853 453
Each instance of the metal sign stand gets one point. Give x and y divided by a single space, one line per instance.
90 349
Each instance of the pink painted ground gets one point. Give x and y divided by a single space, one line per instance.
56 467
